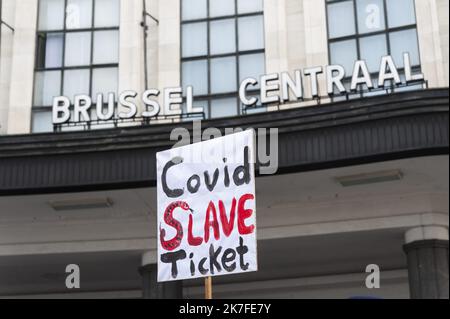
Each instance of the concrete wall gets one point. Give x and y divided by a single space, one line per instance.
296 37
5 62
22 67
295 34
343 286
432 25
131 51
442 9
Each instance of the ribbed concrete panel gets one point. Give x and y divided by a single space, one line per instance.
346 133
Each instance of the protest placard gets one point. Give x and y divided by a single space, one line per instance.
206 209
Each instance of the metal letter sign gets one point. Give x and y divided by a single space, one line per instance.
206 209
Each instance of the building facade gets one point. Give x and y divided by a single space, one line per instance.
362 173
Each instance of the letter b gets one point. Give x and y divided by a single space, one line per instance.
61 106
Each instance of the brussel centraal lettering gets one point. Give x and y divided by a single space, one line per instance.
274 89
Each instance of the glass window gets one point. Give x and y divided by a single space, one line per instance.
194 9
78 49
249 6
79 14
370 15
50 50
251 65
341 19
223 107
251 33
51 15
401 13
77 52
404 42
372 49
76 82
106 47
195 73
47 85
194 41
42 122
107 13
383 27
344 53
218 8
223 75
222 44
104 81
223 36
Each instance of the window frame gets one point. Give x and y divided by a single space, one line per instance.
357 36
210 97
62 69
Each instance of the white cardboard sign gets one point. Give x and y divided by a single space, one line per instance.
206 209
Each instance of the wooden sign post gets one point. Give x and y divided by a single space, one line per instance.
208 287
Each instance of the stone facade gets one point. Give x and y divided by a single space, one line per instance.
295 35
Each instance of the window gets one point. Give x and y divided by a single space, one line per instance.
369 29
222 44
77 52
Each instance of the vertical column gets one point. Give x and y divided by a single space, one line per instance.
131 61
316 45
169 54
6 44
151 289
22 67
428 31
275 36
427 253
443 20
296 35
152 8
